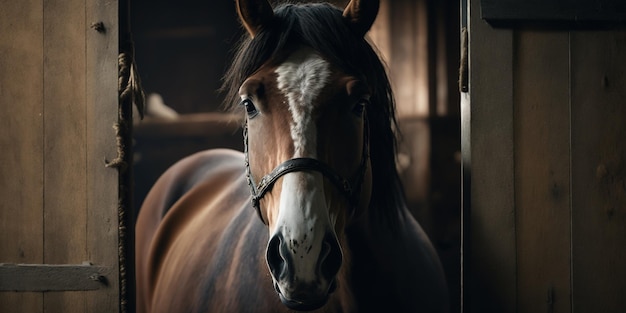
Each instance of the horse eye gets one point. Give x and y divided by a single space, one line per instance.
359 107
250 108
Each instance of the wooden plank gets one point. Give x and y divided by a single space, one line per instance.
441 62
542 192
598 171
450 23
21 143
45 277
408 67
489 253
64 105
554 10
200 125
466 200
102 182
64 142
21 183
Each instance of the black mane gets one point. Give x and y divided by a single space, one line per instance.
322 27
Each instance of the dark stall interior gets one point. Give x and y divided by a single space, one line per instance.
182 49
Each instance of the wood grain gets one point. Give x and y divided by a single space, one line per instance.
553 10
542 167
599 171
64 143
489 252
45 277
102 187
46 164
21 143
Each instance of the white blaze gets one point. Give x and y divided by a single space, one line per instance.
303 216
301 78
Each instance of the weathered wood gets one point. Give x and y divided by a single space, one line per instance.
102 191
466 200
45 277
64 142
570 171
489 252
554 10
199 125
21 143
45 152
598 171
542 191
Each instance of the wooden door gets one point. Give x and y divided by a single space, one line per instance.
59 202
544 124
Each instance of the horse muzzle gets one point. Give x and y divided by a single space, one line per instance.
304 281
303 300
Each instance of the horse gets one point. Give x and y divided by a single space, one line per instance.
311 215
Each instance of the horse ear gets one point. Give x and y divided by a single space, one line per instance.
361 14
254 14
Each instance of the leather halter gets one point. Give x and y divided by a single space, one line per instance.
351 191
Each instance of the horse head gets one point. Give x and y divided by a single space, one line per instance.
307 149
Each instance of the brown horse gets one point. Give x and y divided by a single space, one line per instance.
311 216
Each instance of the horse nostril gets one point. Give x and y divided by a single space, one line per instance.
330 257
275 261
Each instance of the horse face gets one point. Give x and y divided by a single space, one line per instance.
305 109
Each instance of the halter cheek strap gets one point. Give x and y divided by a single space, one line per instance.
348 190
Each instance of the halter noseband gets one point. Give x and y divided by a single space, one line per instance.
350 191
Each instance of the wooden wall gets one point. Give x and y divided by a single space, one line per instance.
183 49
545 123
58 102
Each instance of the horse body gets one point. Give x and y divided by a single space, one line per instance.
311 217
201 237
193 243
